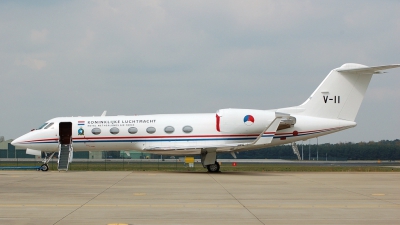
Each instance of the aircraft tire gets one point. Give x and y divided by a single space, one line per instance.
44 167
213 168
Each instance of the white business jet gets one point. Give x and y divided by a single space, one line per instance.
332 107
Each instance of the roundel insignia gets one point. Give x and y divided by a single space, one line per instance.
81 131
248 120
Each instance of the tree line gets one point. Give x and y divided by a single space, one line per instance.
381 150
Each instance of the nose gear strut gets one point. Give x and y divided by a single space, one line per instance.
46 160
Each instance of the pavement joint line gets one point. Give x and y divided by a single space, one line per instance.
86 205
94 197
236 199
136 205
139 194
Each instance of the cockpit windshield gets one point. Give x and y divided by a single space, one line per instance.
49 126
42 126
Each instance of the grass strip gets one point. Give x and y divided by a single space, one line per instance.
172 166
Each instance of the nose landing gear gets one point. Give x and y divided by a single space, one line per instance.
45 166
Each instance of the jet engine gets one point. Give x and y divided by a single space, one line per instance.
243 121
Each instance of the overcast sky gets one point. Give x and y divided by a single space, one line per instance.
78 58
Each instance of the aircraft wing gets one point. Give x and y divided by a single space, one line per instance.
219 148
264 138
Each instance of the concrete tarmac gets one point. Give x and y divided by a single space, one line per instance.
31 197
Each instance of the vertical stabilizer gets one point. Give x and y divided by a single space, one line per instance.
340 94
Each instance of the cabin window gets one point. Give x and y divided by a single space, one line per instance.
48 126
169 129
42 126
151 130
96 131
187 129
114 130
133 130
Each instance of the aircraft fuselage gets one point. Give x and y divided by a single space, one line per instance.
174 134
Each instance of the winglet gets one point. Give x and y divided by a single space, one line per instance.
268 134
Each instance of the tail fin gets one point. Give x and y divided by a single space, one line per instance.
340 94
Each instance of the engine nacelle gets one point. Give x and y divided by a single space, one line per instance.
33 152
243 121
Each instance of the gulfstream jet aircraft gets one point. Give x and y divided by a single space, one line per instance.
332 107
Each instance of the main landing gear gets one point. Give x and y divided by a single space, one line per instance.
213 168
209 160
45 166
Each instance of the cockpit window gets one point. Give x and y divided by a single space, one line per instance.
49 125
42 126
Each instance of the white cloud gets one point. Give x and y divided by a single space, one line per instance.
87 41
35 64
39 36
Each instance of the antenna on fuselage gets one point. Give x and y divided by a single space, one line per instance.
104 113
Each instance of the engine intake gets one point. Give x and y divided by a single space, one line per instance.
287 123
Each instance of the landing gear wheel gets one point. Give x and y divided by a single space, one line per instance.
213 168
44 167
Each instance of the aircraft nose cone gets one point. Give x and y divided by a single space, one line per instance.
17 142
14 142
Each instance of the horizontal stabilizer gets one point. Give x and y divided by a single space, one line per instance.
351 68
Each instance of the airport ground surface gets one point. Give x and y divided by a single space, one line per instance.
133 197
